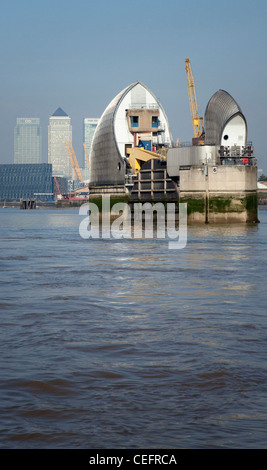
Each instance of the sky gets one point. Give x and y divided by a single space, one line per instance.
79 54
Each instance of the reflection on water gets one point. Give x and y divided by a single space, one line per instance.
127 344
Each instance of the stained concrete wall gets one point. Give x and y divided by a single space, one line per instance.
219 179
220 194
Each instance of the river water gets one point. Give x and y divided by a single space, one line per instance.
124 344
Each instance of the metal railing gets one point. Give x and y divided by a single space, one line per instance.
143 106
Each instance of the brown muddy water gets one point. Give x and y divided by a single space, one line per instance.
127 344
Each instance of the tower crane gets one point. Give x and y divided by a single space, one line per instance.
74 162
79 173
197 121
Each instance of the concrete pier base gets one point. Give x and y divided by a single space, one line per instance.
221 194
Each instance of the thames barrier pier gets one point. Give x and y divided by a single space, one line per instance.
133 158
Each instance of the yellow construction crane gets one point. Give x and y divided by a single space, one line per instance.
74 162
197 121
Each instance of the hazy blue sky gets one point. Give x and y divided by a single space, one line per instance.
78 54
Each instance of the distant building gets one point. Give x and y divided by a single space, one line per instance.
26 181
89 127
27 141
59 133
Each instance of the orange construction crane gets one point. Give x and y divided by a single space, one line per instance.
86 154
78 171
74 162
197 121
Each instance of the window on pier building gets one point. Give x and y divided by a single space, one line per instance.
155 121
134 121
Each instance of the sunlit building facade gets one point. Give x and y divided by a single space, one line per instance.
89 127
27 141
59 134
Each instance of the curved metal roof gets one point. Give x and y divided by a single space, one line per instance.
106 164
220 109
107 167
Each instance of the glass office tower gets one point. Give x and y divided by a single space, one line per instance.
89 127
59 133
27 141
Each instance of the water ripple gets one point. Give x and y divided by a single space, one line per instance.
126 344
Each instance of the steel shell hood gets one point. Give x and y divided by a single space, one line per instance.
105 154
112 135
220 109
